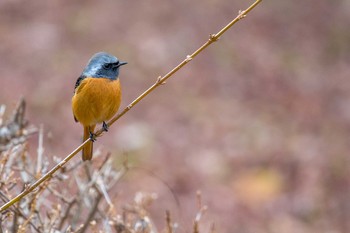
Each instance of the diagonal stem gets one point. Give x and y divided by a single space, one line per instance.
160 81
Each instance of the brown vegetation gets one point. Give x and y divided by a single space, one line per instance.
259 123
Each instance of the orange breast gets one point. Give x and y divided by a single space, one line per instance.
96 100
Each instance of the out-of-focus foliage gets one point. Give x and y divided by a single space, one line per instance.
260 122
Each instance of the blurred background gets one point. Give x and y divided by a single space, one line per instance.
259 122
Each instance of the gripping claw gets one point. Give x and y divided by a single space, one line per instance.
105 126
92 137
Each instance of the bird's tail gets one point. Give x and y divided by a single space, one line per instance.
88 148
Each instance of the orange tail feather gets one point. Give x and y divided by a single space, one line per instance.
88 148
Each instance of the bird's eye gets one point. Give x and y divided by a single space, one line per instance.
107 66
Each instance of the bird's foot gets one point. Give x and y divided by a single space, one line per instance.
105 126
92 136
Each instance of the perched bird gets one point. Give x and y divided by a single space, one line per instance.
97 96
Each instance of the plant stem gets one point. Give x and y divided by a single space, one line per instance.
160 81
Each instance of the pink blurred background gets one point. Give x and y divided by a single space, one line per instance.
259 122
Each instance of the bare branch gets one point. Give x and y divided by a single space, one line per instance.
160 80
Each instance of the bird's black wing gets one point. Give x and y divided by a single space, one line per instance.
77 83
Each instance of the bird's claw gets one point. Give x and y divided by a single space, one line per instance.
105 126
92 137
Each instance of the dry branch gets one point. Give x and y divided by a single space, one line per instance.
160 81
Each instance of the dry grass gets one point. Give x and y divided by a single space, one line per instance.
75 199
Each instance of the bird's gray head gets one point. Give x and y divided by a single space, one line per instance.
103 65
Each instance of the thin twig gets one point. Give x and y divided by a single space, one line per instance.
168 222
2 112
17 212
92 212
15 221
160 81
47 176
66 213
154 175
40 152
201 210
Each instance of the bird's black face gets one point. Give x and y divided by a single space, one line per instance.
110 69
113 65
103 65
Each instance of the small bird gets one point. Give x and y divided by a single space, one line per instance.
97 96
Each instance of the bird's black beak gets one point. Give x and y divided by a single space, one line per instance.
121 63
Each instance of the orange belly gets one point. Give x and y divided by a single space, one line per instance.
96 100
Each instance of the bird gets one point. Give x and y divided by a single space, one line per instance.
97 96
